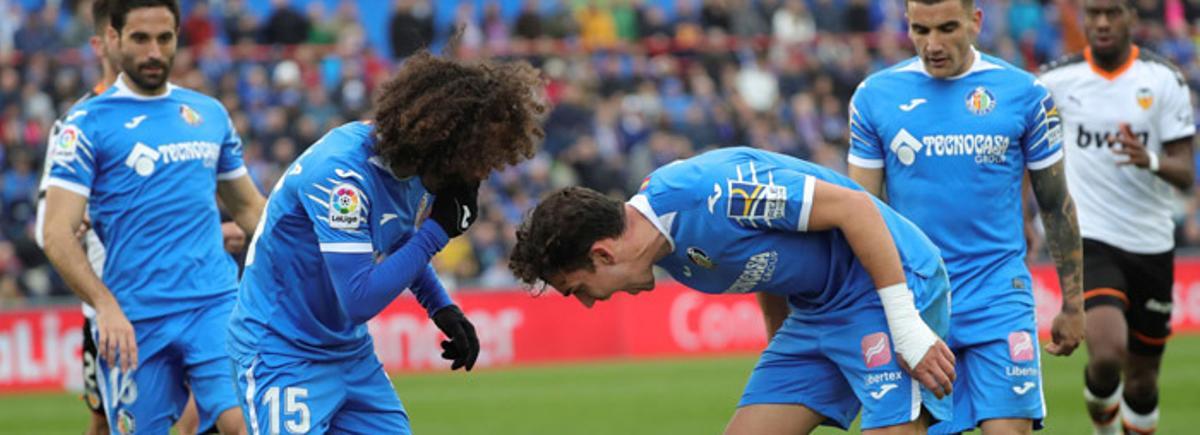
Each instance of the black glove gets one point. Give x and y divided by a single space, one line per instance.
456 208
463 345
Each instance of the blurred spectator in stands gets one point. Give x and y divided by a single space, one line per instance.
239 25
529 21
79 27
716 14
495 29
858 17
831 16
411 27
197 29
285 25
597 28
748 18
792 24
324 28
37 33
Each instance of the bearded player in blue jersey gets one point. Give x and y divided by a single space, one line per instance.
846 278
946 138
352 224
147 159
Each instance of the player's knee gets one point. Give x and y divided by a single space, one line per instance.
1007 426
1107 361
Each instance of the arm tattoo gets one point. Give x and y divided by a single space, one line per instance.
1062 231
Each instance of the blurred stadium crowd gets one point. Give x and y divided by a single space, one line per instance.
633 84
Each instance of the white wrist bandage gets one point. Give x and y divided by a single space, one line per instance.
910 335
1153 166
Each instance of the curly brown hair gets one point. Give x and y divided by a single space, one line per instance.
459 119
557 236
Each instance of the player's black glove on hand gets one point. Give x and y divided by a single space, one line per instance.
456 208
463 345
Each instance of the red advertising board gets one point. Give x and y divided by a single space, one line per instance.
39 349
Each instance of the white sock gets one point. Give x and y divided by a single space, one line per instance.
1111 402
1140 424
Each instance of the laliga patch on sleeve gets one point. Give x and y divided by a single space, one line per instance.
65 144
756 201
346 207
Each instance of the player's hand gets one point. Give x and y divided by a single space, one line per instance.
935 372
456 207
1134 150
233 236
117 340
1066 332
463 345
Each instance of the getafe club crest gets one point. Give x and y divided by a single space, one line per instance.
189 116
700 258
981 101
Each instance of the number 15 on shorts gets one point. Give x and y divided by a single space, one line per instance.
294 409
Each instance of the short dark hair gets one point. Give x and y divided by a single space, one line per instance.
457 118
969 5
558 235
100 17
120 10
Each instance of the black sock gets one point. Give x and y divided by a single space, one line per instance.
1142 405
1097 390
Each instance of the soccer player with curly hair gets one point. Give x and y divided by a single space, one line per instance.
353 223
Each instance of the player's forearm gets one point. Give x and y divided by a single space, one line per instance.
1062 232
1177 171
430 292
868 236
364 289
247 218
870 180
67 255
775 310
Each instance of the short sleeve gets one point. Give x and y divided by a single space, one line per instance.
1176 119
230 165
72 157
866 150
338 208
1042 141
778 199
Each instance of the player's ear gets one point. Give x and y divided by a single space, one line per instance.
602 253
977 20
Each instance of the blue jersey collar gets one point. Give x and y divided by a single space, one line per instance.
662 223
979 65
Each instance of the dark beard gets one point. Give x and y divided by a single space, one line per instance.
147 83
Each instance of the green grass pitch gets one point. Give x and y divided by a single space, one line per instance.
677 396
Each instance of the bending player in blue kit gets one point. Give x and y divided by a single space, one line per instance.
355 222
856 276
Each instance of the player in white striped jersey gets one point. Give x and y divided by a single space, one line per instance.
1129 132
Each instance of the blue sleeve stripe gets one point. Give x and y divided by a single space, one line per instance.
1046 162
233 174
864 162
810 184
347 248
68 185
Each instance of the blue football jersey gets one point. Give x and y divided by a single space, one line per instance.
737 221
149 167
953 153
337 197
